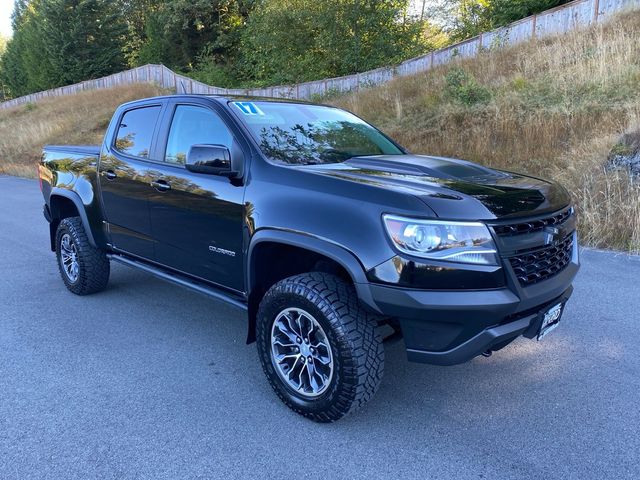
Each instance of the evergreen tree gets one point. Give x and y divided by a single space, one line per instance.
83 39
4 90
60 42
24 67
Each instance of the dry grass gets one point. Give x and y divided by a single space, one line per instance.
552 108
77 119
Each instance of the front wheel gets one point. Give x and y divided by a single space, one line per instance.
320 350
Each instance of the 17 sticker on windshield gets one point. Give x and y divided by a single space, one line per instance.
248 108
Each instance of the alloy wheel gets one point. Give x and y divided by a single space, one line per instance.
69 258
301 353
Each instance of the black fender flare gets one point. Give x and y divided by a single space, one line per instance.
318 245
77 201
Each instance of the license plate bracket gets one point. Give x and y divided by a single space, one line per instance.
550 319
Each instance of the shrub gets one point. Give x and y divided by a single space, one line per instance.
464 88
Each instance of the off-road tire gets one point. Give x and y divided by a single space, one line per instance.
352 332
93 263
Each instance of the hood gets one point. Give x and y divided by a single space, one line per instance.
453 189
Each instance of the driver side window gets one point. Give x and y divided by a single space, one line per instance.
193 125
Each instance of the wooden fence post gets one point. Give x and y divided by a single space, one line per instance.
596 10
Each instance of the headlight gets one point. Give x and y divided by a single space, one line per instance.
463 242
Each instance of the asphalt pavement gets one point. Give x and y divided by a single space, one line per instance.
148 380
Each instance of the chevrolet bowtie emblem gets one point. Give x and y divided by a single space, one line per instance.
551 235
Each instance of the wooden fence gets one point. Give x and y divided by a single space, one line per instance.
577 14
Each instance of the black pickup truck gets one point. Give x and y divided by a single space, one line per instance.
331 236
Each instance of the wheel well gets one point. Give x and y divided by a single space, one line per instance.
60 208
272 262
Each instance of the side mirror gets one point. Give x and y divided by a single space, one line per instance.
211 159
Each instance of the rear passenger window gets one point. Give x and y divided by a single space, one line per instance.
136 131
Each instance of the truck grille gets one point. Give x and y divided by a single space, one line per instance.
538 265
532 226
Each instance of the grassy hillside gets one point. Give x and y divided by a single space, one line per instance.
556 108
77 119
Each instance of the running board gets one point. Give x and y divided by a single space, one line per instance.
210 291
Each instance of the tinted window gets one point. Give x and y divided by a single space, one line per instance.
301 134
192 126
136 131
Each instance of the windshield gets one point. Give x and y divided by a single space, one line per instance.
297 134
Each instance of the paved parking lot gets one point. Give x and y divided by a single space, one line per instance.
147 380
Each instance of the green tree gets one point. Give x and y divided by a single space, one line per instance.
24 68
179 32
503 12
136 15
219 62
294 40
59 42
83 39
4 90
468 18
166 41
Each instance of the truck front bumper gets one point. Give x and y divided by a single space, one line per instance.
454 326
487 340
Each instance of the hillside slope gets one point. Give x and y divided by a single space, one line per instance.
557 108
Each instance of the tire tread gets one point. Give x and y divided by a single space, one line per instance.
362 350
94 264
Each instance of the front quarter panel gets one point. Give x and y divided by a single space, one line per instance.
344 214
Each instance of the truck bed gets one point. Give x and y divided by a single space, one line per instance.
85 150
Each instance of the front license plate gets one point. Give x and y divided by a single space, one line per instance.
550 320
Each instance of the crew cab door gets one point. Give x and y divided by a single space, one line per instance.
197 219
125 173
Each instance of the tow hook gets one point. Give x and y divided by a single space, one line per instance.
487 354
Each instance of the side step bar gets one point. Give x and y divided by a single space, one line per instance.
210 291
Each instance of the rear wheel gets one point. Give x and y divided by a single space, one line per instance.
319 348
84 269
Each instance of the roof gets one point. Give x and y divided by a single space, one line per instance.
226 98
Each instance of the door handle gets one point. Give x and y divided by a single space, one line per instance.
110 174
161 186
